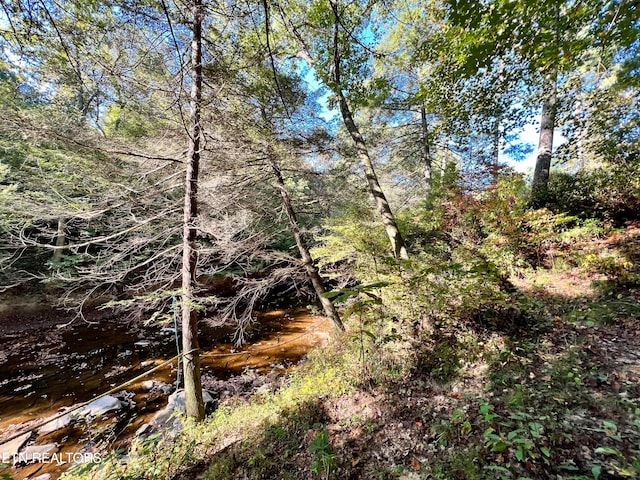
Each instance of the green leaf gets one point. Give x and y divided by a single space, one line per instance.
369 334
535 427
488 432
344 297
545 451
595 471
520 455
466 427
498 468
520 416
371 286
340 295
514 434
607 450
500 447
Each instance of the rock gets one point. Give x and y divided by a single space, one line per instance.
264 389
56 424
142 343
37 453
165 419
167 331
148 384
9 449
141 432
156 386
100 407
176 403
44 476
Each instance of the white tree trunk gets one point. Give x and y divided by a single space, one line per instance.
545 144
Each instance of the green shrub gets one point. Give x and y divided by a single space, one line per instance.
513 236
607 193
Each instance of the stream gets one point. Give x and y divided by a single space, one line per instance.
45 368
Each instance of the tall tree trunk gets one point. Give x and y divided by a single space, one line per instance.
190 346
495 150
60 240
388 219
496 143
545 144
318 285
428 174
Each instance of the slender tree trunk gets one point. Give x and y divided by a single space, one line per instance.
495 151
388 219
428 174
496 142
60 240
190 346
318 285
545 144
582 133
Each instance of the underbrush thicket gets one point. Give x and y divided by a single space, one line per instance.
479 370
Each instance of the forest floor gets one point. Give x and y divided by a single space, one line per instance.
556 398
550 392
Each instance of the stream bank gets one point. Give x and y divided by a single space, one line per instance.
47 369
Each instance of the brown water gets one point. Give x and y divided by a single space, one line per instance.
44 368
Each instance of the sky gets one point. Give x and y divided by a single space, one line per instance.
530 134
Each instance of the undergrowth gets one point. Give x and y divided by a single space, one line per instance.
468 361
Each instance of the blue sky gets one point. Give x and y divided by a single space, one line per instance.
530 135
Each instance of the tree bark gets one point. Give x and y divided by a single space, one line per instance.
428 174
383 207
545 144
496 143
495 150
318 285
60 240
190 345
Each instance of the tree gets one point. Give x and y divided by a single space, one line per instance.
472 95
388 219
545 146
327 60
190 346
318 285
544 41
312 271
